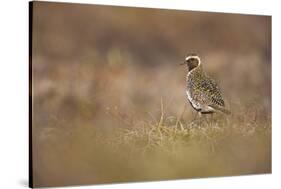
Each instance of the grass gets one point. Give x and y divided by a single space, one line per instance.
163 147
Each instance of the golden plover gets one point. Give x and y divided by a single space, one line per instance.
202 92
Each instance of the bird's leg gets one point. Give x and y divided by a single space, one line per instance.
210 117
207 119
199 118
200 115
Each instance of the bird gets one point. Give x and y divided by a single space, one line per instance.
203 92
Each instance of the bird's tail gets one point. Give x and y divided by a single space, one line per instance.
221 109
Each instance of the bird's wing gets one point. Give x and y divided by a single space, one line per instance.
212 92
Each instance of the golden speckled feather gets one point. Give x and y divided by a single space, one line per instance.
203 92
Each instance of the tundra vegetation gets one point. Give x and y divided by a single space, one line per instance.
109 102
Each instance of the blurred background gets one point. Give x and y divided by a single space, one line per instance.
108 67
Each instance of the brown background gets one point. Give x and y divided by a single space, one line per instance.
91 64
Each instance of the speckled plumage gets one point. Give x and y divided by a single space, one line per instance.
203 92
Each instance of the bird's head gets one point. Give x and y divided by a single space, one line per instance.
192 61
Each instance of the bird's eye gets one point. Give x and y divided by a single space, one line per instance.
192 63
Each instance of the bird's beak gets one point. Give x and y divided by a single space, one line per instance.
183 63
